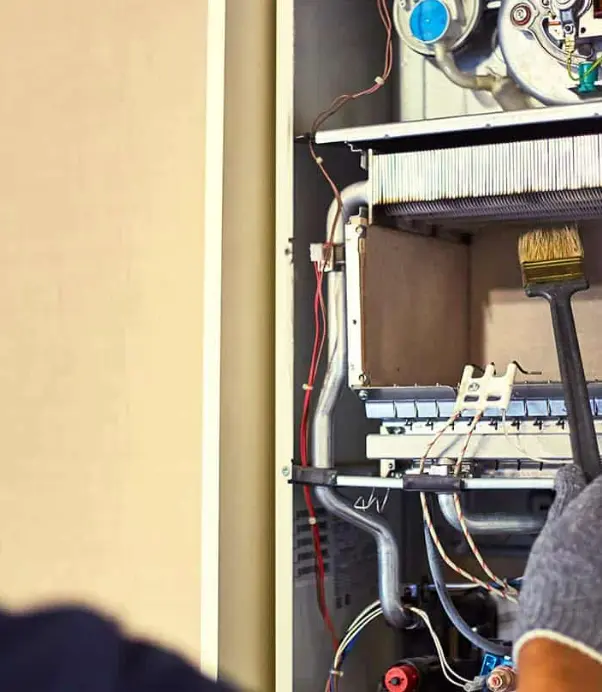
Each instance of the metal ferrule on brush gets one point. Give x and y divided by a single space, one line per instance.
552 271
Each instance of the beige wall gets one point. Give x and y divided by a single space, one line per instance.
102 114
101 151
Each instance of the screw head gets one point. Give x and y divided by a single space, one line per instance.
363 395
473 387
586 50
286 471
521 14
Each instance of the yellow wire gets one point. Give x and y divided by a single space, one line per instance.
569 64
569 60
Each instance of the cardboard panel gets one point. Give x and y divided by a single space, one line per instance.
431 306
505 325
416 308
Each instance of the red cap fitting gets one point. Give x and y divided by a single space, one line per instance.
402 678
502 679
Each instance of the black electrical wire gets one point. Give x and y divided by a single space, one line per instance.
450 609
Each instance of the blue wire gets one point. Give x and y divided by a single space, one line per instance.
346 651
350 644
349 647
511 582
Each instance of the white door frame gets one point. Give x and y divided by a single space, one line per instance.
215 42
284 351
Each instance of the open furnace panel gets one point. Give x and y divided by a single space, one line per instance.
421 307
486 125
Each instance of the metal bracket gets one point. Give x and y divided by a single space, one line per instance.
432 484
355 232
309 475
487 391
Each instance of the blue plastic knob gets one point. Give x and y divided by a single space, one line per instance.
429 21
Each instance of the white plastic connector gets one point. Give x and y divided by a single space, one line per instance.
324 255
316 252
486 391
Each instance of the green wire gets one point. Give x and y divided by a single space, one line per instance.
593 66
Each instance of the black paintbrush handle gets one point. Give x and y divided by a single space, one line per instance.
584 443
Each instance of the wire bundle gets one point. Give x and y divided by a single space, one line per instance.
368 615
449 673
504 591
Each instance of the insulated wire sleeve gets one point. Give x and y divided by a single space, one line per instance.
429 522
511 593
371 613
450 609
449 673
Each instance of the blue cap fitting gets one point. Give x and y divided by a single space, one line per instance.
429 21
587 77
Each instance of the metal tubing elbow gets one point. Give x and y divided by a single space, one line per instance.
352 198
503 89
491 523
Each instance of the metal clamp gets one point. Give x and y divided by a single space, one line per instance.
424 483
310 475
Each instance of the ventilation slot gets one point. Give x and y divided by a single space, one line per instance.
303 555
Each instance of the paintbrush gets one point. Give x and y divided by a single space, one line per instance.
552 268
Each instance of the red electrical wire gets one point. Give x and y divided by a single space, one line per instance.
320 311
318 346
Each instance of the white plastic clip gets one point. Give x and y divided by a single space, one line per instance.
485 391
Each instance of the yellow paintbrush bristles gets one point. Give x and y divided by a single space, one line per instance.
556 243
550 256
